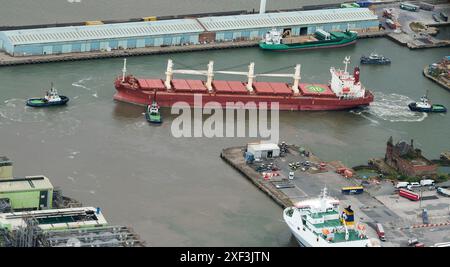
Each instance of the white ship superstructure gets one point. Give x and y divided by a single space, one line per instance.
345 85
318 223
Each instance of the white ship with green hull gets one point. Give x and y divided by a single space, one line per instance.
318 223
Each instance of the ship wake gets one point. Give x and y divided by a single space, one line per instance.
391 107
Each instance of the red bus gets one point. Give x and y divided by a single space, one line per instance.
408 194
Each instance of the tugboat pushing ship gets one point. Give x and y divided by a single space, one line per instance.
343 92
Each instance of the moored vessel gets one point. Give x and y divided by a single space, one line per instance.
344 91
278 41
374 58
318 222
51 98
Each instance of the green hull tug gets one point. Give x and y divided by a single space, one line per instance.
153 115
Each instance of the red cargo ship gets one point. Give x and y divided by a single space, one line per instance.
343 92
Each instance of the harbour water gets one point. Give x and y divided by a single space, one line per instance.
178 192
25 12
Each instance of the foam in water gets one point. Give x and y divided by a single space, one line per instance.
391 107
80 83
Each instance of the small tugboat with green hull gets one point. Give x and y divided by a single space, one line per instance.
425 106
52 98
277 41
152 114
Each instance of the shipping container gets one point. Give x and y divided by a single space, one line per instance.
93 22
152 18
409 194
352 190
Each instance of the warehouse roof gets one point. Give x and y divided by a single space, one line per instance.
25 184
263 146
268 20
105 31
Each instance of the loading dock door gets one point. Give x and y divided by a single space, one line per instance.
43 199
67 48
47 50
123 44
159 41
303 30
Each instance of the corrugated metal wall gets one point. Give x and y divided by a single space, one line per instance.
97 45
179 39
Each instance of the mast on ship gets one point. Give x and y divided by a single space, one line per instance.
346 62
124 70
209 73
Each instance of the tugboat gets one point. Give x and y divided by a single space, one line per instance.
375 59
152 114
424 106
52 98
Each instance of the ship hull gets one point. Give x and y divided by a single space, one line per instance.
168 99
351 39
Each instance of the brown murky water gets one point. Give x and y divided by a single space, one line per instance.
178 192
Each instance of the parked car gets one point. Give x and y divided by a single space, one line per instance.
291 175
413 185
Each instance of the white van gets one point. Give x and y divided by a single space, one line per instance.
401 185
427 182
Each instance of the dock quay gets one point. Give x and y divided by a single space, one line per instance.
411 42
441 83
413 38
379 203
181 34
7 60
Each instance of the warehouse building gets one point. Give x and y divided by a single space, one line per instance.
250 27
263 150
106 37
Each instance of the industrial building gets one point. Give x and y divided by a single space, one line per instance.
263 150
30 193
73 227
21 194
176 32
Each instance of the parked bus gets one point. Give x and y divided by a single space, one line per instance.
352 190
409 194
409 7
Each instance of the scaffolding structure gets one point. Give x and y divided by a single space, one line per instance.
108 236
